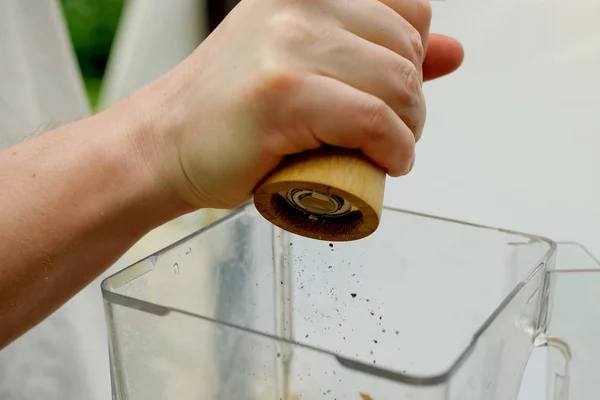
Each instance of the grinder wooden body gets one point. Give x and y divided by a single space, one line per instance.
328 194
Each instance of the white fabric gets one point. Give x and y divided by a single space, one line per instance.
40 87
65 357
152 38
40 82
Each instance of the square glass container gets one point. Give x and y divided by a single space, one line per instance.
423 309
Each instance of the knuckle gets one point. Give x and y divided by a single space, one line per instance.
288 27
416 43
409 82
414 119
376 119
419 123
412 80
273 78
414 124
409 99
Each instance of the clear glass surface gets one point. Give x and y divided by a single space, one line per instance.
574 325
425 308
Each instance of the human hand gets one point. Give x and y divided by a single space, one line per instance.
279 77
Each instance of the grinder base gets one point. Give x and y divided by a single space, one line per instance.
326 194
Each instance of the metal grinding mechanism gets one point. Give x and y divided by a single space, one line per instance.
328 194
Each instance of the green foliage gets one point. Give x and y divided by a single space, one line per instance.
92 25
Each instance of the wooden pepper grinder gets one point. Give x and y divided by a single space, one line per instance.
330 194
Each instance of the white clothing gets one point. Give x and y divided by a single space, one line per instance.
66 356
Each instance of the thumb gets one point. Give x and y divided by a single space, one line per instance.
444 55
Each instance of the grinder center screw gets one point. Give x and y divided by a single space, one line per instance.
319 203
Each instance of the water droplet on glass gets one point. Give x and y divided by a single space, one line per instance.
176 269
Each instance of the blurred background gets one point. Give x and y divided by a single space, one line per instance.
92 25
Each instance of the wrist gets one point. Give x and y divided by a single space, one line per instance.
156 133
133 154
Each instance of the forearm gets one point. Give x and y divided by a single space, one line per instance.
72 201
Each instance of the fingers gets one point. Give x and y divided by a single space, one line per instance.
378 71
404 31
375 69
390 30
353 74
353 119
